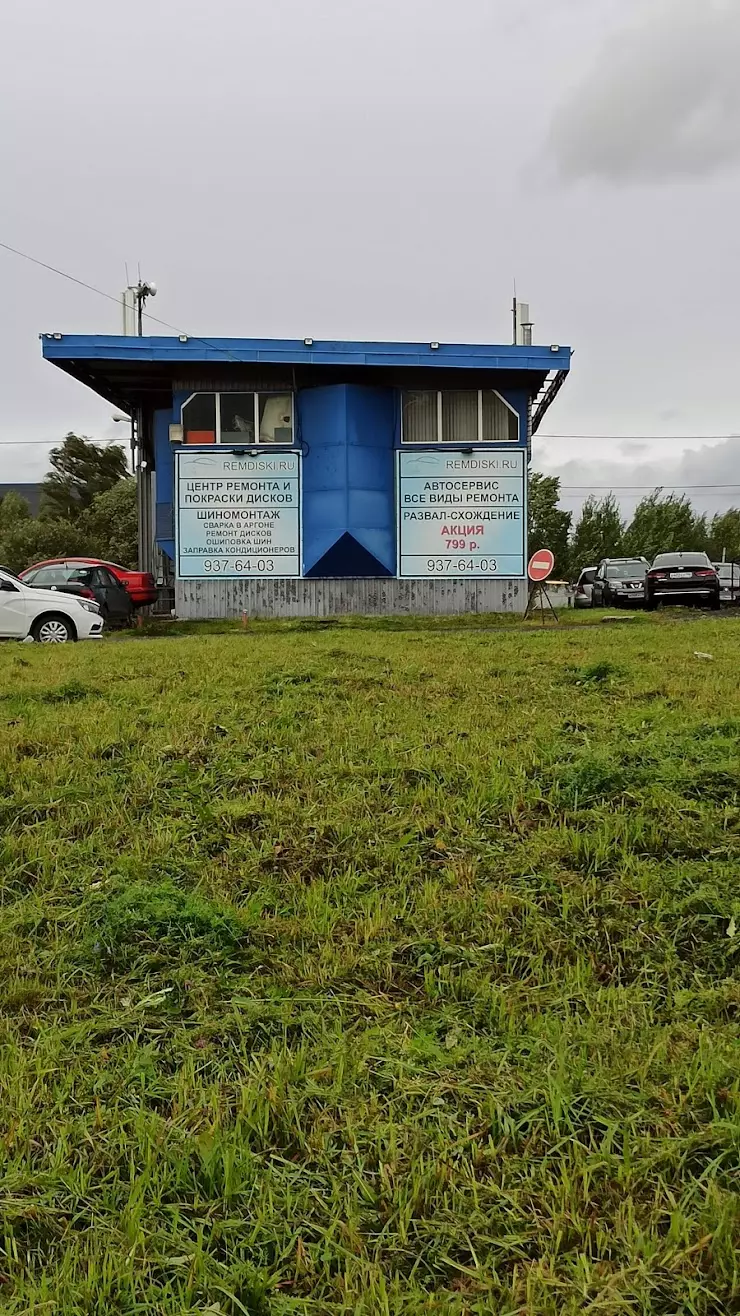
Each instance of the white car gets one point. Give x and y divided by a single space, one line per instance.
729 581
44 615
584 588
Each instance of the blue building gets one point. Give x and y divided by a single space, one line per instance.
293 477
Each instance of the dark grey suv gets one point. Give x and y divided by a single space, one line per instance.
619 582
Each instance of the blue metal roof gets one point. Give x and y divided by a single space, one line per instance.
63 348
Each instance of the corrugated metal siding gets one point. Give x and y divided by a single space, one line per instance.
333 598
164 521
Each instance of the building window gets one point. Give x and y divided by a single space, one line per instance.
458 416
499 421
238 418
199 419
275 411
420 419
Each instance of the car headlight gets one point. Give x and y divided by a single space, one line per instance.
89 607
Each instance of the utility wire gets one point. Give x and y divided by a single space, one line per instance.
52 443
147 315
52 268
572 488
637 488
644 438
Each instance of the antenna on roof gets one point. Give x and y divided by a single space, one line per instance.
133 302
128 307
523 326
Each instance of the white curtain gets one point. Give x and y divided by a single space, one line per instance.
500 423
420 417
460 416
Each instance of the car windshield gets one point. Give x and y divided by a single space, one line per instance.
684 561
587 577
625 570
10 575
56 575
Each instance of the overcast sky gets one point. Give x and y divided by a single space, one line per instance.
385 169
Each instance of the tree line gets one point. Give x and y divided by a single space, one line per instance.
661 523
87 508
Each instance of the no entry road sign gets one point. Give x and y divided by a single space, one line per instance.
541 565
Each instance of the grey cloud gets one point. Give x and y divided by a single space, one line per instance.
371 236
690 472
661 103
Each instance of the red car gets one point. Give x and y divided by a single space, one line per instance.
139 585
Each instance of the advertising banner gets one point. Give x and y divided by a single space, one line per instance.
462 514
237 515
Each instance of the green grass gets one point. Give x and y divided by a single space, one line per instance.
361 972
165 626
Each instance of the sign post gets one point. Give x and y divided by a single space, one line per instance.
541 567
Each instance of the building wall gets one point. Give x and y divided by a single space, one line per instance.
343 597
30 493
348 435
164 461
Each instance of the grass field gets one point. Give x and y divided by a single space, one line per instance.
372 972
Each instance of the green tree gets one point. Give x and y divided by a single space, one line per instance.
80 471
665 524
27 541
14 510
88 509
110 524
549 527
599 532
724 536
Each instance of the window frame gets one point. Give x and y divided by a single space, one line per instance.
234 442
440 442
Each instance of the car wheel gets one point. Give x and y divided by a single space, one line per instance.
650 605
53 630
716 604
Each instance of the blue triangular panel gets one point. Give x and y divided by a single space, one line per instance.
348 558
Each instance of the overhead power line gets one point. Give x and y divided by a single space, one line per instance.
52 443
62 273
110 297
610 438
638 488
644 438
